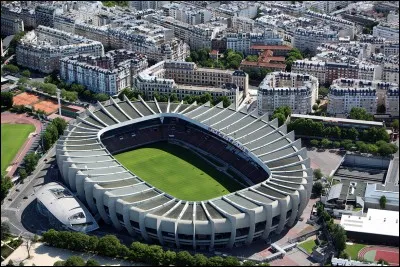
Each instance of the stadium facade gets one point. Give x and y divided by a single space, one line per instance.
273 164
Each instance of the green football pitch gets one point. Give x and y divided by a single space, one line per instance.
13 137
178 172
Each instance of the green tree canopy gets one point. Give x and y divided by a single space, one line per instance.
30 162
317 188
7 99
184 258
108 245
360 114
26 73
74 261
318 174
382 202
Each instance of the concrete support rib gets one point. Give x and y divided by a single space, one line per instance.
232 220
147 106
132 106
194 226
208 110
112 201
256 139
268 211
210 219
119 108
97 118
213 116
176 225
158 107
252 218
227 127
177 107
107 112
189 107
99 194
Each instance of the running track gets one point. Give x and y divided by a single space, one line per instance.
21 118
389 254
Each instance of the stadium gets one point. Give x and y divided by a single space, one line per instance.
271 170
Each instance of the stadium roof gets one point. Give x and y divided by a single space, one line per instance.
379 222
338 120
268 145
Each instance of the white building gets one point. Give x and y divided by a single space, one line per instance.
386 31
298 91
310 39
42 48
108 74
63 209
315 68
390 73
344 94
186 79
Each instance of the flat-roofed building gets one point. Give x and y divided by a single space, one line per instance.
377 226
298 91
310 38
63 209
389 32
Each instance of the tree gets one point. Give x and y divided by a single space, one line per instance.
139 251
10 263
323 91
325 143
395 125
22 174
30 162
74 261
48 88
5 230
360 114
101 97
215 261
317 188
314 142
52 129
318 174
318 101
11 68
28 245
200 259
169 258
336 144
92 262
6 99
281 118
372 149
6 184
346 144
155 255
385 149
382 202
315 107
26 73
108 245
183 258
339 237
47 140
381 109
60 124
352 133
231 261
253 58
248 263
59 263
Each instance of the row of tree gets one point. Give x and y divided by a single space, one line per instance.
360 114
77 261
379 148
229 60
336 231
110 246
53 131
310 128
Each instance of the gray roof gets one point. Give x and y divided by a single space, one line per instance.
334 193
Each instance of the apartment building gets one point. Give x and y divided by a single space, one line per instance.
108 74
391 48
239 9
298 91
196 36
241 24
10 25
329 6
143 5
242 42
42 48
345 94
11 12
44 14
392 101
311 39
389 32
312 67
139 36
390 73
187 14
185 78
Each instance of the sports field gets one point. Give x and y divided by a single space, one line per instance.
13 137
177 171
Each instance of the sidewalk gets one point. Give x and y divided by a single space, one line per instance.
42 255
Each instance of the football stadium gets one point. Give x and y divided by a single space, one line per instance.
186 175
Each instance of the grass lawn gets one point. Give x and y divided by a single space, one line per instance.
308 245
353 250
13 137
177 171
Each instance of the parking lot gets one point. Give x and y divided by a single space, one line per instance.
325 159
